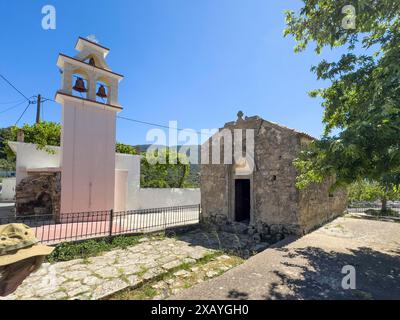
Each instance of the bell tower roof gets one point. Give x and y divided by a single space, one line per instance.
83 43
89 68
92 52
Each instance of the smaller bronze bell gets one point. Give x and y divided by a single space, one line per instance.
102 92
92 62
79 85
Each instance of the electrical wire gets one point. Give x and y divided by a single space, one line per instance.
16 89
162 126
29 103
11 85
148 123
13 107
12 102
119 117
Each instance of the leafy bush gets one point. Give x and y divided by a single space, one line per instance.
89 248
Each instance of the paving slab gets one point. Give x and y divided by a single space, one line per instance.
101 276
311 267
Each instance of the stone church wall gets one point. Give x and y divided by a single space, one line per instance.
278 208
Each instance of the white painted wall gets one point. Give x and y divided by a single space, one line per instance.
87 157
147 198
7 192
131 164
121 192
29 157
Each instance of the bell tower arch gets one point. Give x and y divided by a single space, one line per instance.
89 99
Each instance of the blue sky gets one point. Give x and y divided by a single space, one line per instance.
194 61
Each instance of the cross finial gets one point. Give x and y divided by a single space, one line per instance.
92 38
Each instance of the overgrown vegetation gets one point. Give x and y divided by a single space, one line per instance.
90 248
164 169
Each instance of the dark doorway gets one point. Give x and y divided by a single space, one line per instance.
242 200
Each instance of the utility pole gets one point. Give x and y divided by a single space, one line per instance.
39 98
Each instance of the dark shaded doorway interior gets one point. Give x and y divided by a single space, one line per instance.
242 200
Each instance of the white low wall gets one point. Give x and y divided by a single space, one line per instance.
129 195
29 157
130 165
147 198
7 192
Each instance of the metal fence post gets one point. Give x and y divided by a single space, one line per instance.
165 218
199 213
111 222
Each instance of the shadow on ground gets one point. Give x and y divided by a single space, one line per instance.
377 275
238 244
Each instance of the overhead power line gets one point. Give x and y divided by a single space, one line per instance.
11 85
161 126
119 117
48 99
29 103
12 102
13 107
145 122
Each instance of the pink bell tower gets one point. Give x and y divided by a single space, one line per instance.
88 129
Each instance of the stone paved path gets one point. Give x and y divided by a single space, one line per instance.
98 277
180 280
310 267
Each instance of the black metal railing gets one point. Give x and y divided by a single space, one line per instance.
85 225
375 208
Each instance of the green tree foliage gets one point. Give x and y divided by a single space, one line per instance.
7 160
5 135
364 190
157 171
42 134
7 165
125 148
362 102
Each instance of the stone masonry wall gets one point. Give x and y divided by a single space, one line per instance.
39 194
275 194
319 205
274 198
278 208
214 193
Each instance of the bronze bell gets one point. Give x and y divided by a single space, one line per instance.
79 85
92 62
102 92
